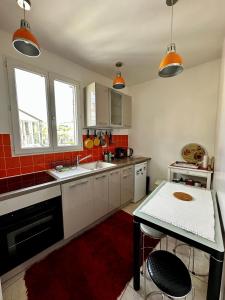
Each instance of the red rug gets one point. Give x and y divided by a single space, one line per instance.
94 266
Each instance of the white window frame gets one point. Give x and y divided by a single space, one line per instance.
63 79
14 115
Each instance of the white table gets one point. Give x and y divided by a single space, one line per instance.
214 249
190 172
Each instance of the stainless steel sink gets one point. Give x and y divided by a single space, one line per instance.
81 169
97 165
69 172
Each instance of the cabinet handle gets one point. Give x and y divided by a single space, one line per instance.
99 177
125 176
114 173
79 183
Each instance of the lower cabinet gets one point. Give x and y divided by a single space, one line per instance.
114 189
87 200
100 195
78 205
127 184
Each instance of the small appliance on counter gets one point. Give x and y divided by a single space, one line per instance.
123 152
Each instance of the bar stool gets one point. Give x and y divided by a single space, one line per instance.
154 234
191 257
169 274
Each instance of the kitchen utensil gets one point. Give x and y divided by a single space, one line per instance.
183 196
130 152
110 138
102 139
193 153
96 139
88 143
107 138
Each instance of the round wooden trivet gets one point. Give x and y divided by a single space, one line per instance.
183 196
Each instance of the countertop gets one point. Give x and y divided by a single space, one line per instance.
118 163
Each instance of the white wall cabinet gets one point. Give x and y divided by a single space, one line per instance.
114 189
97 105
78 205
127 184
116 109
106 107
127 111
100 195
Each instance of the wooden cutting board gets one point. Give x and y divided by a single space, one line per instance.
183 196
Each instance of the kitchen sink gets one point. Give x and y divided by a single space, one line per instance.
81 169
97 165
69 172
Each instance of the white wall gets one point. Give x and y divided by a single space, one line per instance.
219 176
169 113
47 61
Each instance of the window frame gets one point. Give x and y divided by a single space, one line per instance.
76 84
11 64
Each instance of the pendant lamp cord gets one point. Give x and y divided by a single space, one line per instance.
171 28
24 9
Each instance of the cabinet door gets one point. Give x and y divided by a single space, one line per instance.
102 105
100 194
77 206
114 189
115 109
127 111
127 185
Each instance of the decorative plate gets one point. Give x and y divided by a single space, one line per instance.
193 153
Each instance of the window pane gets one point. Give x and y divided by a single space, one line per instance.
65 105
32 109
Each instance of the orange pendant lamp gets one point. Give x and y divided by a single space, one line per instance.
23 39
172 64
118 82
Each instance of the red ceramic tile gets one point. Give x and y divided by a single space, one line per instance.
12 162
27 169
38 159
26 161
59 156
2 173
1 139
2 153
7 151
39 167
13 172
49 158
6 139
2 163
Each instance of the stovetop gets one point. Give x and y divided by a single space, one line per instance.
24 181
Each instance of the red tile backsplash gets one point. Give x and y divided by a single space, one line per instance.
11 166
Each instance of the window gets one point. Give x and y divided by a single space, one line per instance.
66 113
43 119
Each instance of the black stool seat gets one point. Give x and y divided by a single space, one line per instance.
169 273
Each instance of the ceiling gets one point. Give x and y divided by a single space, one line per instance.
97 33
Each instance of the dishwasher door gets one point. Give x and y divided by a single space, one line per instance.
140 181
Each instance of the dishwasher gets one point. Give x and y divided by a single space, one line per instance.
140 175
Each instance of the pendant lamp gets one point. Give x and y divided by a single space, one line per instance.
172 64
118 82
23 39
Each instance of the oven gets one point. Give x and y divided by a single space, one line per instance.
29 230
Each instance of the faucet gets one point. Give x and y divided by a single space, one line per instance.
78 159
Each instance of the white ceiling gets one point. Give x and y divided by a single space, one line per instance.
97 33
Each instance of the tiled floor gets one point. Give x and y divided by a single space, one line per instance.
15 288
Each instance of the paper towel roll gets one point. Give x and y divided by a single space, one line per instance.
205 161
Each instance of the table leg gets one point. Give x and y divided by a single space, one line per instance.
136 255
214 281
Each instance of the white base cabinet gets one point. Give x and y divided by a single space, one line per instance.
86 200
127 185
100 195
114 189
78 205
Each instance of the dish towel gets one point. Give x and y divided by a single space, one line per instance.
196 216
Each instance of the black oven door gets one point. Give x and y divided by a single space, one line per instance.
28 231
